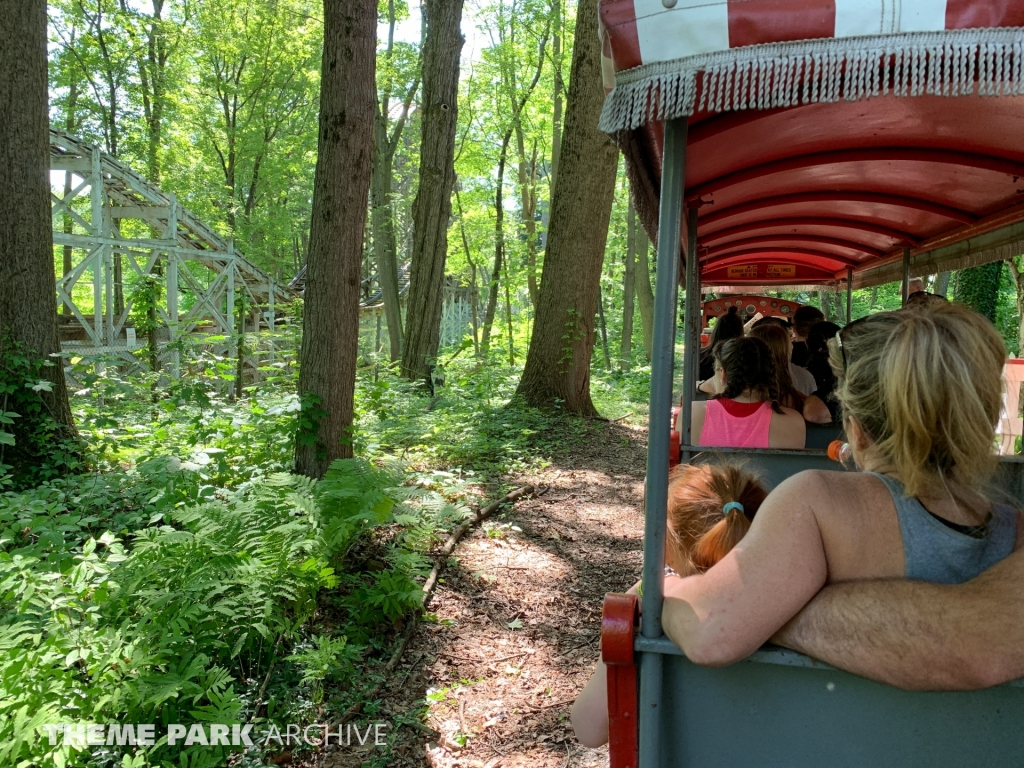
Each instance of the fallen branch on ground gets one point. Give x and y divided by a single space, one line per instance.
428 590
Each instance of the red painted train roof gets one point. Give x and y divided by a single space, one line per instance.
799 194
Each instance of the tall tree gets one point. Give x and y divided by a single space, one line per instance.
510 53
442 46
644 288
254 70
558 361
330 328
628 282
28 299
558 87
499 246
385 144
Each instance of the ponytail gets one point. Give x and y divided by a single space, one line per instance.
701 529
716 543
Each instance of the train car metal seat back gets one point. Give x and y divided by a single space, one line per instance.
830 145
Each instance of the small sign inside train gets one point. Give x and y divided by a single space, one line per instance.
744 271
781 270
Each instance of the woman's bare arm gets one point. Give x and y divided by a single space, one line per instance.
815 410
916 635
726 614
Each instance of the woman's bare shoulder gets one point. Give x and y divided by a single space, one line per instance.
825 482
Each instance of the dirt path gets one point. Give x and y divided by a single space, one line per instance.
518 619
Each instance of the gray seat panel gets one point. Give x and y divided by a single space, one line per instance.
769 715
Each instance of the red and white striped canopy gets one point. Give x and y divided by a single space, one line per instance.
824 134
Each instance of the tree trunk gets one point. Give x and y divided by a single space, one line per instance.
508 317
558 360
382 222
978 288
628 282
528 195
604 330
69 227
499 248
559 87
644 289
330 323
432 208
474 295
28 296
941 286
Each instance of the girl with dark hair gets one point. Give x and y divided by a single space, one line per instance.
794 392
818 365
728 326
745 411
710 508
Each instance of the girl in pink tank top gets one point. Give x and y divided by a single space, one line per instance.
736 425
741 415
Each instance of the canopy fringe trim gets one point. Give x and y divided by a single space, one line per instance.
989 62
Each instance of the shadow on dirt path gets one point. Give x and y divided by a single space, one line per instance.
518 621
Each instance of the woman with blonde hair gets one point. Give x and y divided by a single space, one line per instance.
920 393
709 510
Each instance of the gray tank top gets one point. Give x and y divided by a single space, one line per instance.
937 553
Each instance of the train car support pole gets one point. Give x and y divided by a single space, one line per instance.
906 275
658 433
691 334
849 294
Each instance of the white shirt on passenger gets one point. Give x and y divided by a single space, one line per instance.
802 379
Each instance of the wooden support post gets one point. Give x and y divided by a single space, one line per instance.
171 234
271 319
108 273
96 198
691 334
229 312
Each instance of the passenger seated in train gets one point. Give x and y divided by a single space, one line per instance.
795 384
923 299
920 393
804 319
773 320
819 366
709 510
745 411
727 326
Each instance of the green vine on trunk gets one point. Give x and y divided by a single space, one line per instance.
573 334
34 446
311 416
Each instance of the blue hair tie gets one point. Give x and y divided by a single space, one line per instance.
731 506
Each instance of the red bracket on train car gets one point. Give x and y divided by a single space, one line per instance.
618 624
